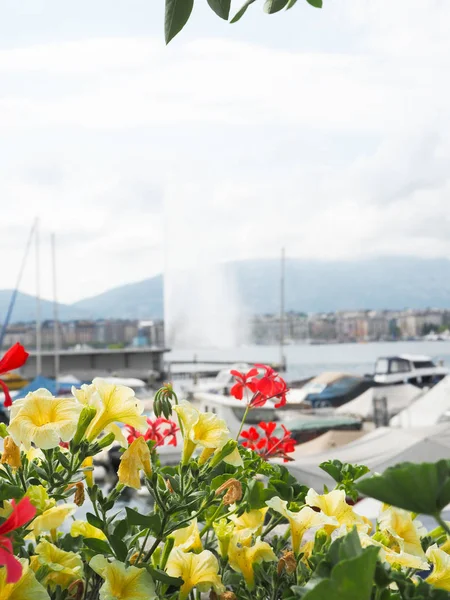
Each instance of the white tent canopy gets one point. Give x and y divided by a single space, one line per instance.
426 410
378 450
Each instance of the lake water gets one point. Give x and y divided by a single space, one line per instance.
308 360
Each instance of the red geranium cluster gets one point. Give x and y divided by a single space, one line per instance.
156 432
268 445
269 386
21 514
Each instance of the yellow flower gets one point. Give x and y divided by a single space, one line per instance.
334 505
114 404
242 555
206 430
224 531
301 521
199 571
64 567
253 520
400 524
11 453
86 530
121 582
132 461
389 555
39 498
440 576
34 454
44 420
52 518
188 538
26 588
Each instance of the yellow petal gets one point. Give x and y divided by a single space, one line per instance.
86 530
400 524
440 576
253 520
121 582
134 460
334 505
52 518
64 567
188 538
199 571
242 555
27 588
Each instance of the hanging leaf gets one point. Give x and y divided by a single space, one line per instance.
99 546
221 8
420 488
241 12
95 521
290 4
176 17
315 3
152 522
273 6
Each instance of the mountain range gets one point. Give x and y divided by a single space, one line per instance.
311 286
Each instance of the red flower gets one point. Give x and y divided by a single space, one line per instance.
13 359
281 392
243 381
269 446
267 384
22 514
171 433
154 433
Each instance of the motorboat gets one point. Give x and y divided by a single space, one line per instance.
331 389
417 370
220 384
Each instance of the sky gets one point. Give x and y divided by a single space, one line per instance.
322 131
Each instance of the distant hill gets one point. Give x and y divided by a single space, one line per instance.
311 286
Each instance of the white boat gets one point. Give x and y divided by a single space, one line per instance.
418 370
220 384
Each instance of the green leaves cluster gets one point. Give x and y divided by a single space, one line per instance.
177 12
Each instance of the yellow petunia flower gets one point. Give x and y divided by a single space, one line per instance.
35 455
334 505
89 475
121 582
200 571
27 588
86 530
114 404
11 453
400 524
206 430
39 498
301 521
52 518
252 520
440 576
242 555
134 460
188 538
44 420
391 556
64 567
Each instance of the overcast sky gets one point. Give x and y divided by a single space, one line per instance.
323 131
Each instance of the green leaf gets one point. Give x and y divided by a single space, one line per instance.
121 528
152 521
274 6
99 546
176 17
95 521
241 12
420 488
255 495
10 491
221 8
119 547
315 3
161 576
352 575
290 4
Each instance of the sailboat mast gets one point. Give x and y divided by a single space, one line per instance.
282 316
38 303
55 310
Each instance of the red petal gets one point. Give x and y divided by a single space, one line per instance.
23 512
237 391
282 402
251 373
14 358
269 428
237 374
7 402
13 566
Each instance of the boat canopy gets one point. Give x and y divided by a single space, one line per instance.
378 450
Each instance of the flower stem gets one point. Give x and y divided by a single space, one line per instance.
442 523
247 408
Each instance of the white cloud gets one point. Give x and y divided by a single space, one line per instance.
332 153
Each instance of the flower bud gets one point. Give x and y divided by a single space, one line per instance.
234 491
223 530
168 546
86 416
106 441
218 457
11 453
